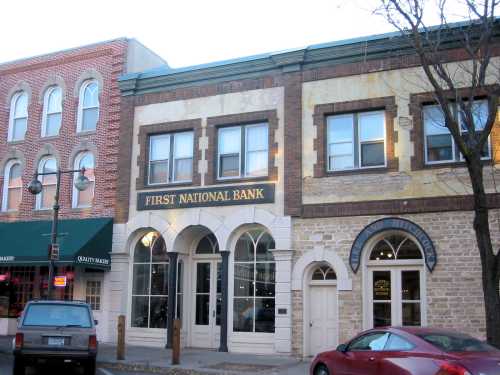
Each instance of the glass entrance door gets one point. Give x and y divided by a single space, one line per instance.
207 304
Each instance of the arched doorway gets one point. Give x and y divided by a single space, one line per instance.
322 308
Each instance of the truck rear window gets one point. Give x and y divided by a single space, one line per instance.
57 315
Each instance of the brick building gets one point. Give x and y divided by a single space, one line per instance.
302 196
61 111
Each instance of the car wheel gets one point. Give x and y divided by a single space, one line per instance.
89 368
19 367
321 370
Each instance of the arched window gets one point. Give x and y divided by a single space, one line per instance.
395 281
88 108
52 112
323 273
254 283
45 199
84 198
150 282
208 245
18 123
12 186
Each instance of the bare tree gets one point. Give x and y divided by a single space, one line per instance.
454 90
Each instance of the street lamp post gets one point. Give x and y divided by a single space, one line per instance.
35 187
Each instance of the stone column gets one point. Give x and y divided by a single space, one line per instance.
283 309
225 300
172 294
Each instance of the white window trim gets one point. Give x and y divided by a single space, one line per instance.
358 143
149 159
246 150
460 158
80 106
74 199
45 113
13 103
38 199
172 153
100 295
6 180
219 177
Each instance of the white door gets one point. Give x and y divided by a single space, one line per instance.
323 324
207 304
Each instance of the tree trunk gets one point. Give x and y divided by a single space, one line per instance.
489 261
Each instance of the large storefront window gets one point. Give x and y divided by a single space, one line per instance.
254 283
396 276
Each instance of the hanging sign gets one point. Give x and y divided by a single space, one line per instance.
217 196
60 281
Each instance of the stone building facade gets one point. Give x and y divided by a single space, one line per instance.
60 111
331 157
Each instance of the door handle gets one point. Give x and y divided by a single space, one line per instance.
310 324
371 359
213 313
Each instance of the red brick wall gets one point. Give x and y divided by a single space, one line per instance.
69 67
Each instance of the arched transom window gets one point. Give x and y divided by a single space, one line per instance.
150 282
12 186
52 112
85 197
88 113
45 199
323 273
18 123
208 245
254 283
396 282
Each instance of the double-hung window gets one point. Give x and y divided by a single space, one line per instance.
356 140
440 147
18 121
243 151
52 112
170 158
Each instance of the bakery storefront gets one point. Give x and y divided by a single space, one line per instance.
84 257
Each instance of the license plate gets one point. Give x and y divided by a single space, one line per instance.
56 341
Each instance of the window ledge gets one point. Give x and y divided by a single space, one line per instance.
228 181
85 133
82 209
356 171
16 142
454 164
165 186
49 137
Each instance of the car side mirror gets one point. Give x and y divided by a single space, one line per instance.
342 348
96 322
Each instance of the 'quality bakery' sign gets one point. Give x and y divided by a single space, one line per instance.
218 196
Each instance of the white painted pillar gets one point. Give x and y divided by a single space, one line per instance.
283 309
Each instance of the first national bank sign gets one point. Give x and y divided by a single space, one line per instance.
218 196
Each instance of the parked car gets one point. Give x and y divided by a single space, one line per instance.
55 332
409 351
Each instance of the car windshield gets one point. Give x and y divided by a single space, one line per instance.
455 342
57 315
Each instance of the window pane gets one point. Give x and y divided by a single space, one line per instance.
203 278
141 279
159 147
14 198
142 252
243 279
411 314
480 114
229 140
159 250
91 96
230 165
372 154
371 126
19 129
265 244
140 307
158 312
89 121
183 169
54 101
256 163
409 250
434 123
265 280
382 251
53 124
48 193
244 250
202 309
86 197
344 148
340 128
264 315
341 162
257 138
381 285
15 176
397 343
410 281
183 145
381 314
243 315
159 279
373 341
21 106
158 172
439 147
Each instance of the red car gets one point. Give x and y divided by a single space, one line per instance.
409 351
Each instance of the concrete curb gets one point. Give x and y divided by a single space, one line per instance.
133 367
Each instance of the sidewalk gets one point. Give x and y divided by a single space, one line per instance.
193 361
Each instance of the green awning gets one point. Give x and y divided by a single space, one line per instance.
82 242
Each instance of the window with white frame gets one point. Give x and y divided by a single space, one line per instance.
18 120
170 158
85 197
12 186
356 140
52 112
45 199
440 147
88 108
93 294
396 282
243 151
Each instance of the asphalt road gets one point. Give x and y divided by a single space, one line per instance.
6 369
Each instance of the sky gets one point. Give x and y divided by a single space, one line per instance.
184 32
